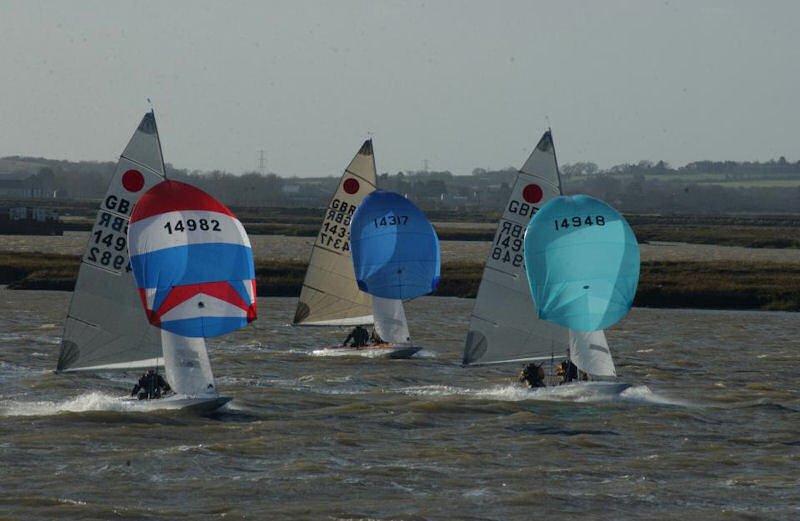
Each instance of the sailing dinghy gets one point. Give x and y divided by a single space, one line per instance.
330 296
105 329
193 265
504 326
395 254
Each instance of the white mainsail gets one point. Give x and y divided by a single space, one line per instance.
504 326
330 296
105 327
390 321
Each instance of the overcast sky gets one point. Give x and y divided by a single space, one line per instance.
461 84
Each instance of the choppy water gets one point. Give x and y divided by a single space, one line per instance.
709 430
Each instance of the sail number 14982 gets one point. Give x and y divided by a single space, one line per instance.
192 225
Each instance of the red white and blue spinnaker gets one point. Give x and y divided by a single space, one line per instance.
192 262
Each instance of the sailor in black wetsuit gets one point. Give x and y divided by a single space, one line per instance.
359 335
150 386
569 372
532 375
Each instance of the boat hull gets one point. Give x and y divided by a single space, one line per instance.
197 404
595 389
376 351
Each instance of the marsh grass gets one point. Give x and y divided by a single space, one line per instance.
721 235
750 231
39 270
719 285
710 285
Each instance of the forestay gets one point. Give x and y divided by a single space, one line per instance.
192 262
105 328
582 261
330 296
395 248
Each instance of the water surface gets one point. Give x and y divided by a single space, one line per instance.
708 431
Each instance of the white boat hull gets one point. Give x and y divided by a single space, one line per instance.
595 389
198 404
376 351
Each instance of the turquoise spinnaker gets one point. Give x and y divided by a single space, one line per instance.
394 247
582 261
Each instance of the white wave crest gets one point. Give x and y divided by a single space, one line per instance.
579 392
642 393
94 401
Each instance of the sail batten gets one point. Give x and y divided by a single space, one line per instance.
144 166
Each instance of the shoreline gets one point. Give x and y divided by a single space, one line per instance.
668 284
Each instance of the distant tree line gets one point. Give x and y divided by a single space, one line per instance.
89 180
773 168
632 187
636 194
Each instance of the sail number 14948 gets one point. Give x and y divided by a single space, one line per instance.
578 221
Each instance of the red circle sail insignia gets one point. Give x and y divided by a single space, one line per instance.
532 193
351 186
133 180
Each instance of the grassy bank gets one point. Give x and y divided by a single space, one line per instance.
711 285
39 270
749 231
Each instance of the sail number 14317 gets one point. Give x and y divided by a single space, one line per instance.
390 220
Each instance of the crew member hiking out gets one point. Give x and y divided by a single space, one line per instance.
150 386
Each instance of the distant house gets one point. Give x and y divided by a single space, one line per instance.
21 220
17 187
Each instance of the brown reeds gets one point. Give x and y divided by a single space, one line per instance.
710 285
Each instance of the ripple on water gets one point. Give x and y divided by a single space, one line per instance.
707 426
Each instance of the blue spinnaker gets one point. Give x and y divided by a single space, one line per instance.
582 261
395 249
